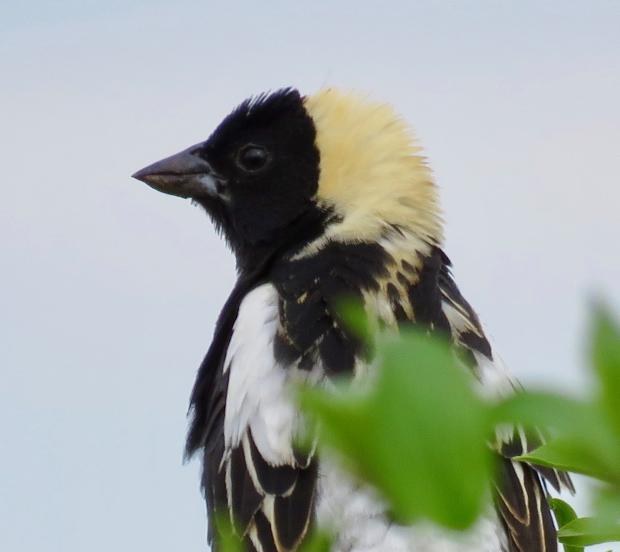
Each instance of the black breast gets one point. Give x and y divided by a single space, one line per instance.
311 290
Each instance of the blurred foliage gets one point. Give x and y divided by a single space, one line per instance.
564 514
420 434
403 434
226 537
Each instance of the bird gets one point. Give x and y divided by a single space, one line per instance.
323 196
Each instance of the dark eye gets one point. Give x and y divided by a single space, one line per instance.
252 158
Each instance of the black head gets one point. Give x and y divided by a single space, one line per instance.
257 176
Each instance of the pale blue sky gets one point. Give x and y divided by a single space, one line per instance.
110 291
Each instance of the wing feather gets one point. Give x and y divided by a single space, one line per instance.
273 480
292 512
523 509
244 499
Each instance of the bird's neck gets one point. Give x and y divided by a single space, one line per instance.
258 256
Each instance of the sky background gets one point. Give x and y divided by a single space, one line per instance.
109 290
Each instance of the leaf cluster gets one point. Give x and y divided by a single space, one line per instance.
420 434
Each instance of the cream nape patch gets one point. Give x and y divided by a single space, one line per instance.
371 170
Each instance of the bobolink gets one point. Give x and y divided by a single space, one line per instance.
320 197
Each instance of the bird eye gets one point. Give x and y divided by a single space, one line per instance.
252 158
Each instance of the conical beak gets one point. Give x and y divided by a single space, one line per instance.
184 174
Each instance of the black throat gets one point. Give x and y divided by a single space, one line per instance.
255 258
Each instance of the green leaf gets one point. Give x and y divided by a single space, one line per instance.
564 514
563 511
585 442
419 435
351 313
588 531
570 455
607 503
547 410
227 540
606 359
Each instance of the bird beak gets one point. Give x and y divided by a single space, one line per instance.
185 174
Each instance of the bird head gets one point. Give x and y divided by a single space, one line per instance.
287 173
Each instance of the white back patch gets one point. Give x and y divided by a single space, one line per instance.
257 398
